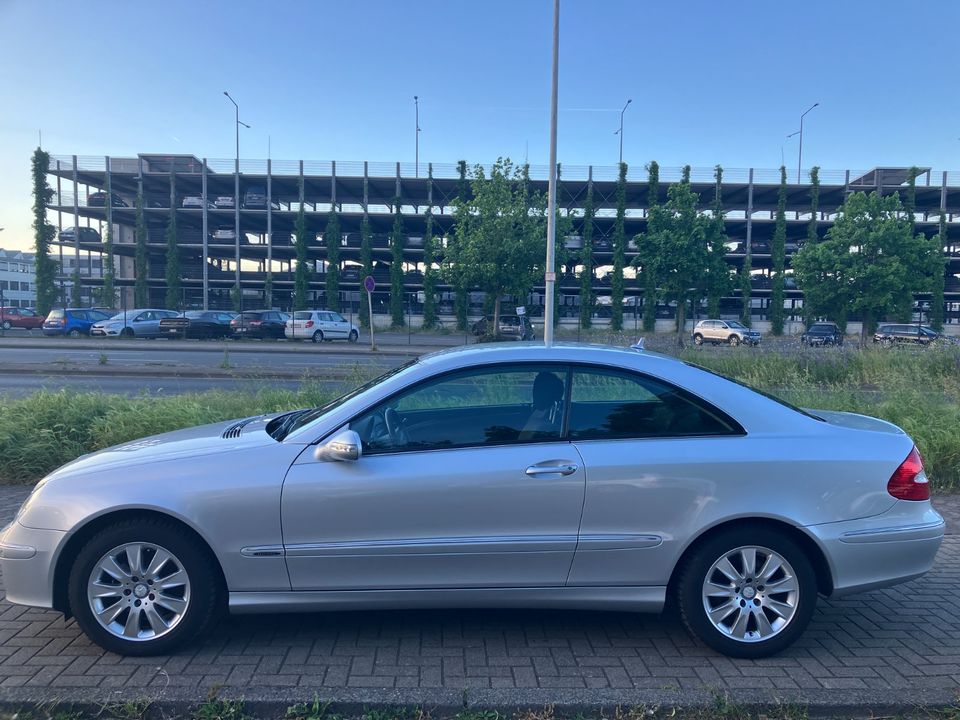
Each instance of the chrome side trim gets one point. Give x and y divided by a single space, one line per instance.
618 542
423 546
923 531
260 551
632 599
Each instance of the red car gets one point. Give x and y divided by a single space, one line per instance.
11 317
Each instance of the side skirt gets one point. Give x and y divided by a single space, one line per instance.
623 599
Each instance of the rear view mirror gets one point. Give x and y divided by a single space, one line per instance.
345 446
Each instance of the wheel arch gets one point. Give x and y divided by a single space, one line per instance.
81 535
813 551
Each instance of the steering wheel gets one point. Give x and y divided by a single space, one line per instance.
394 423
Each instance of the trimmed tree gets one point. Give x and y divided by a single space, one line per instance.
717 279
460 300
940 242
619 253
870 263
813 235
647 262
778 250
332 239
43 233
429 275
586 259
76 296
366 260
301 274
141 293
268 290
172 298
108 293
397 318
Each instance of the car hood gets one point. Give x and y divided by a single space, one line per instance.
203 440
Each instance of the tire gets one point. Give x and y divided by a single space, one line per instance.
7 325
317 336
353 336
198 601
127 333
698 339
794 606
74 333
733 340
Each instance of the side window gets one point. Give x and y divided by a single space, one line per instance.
482 406
608 405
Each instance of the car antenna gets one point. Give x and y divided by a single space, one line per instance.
638 345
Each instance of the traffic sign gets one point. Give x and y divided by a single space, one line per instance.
369 284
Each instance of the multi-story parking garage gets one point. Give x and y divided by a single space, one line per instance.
265 201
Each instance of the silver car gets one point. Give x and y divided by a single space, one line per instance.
729 332
494 476
320 325
132 323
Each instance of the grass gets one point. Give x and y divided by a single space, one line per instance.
917 390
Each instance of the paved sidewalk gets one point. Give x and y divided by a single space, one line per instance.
881 649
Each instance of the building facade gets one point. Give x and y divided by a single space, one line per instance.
18 279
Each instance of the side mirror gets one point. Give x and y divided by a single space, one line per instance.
343 447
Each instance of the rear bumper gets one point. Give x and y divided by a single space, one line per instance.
894 547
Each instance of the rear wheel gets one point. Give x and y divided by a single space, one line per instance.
747 592
74 333
7 325
698 339
317 336
143 587
733 340
353 336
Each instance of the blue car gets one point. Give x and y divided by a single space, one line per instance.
72 321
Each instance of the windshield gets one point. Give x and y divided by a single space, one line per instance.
735 324
282 426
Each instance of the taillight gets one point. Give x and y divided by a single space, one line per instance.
64 322
309 324
909 481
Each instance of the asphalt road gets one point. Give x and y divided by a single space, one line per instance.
22 385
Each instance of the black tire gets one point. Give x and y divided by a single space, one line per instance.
127 333
317 336
74 333
706 553
7 325
698 339
353 336
733 340
206 597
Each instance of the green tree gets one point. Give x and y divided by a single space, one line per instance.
141 292
778 251
76 290
172 299
43 233
940 241
619 252
332 239
647 262
717 279
910 197
268 290
676 245
397 242
302 273
366 260
586 260
870 263
235 298
429 275
813 234
500 235
108 293
460 300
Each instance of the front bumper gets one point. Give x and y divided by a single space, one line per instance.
27 557
887 549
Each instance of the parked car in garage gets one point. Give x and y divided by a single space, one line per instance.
86 234
73 322
320 325
26 318
259 324
225 202
225 232
729 332
99 199
199 324
461 480
511 327
132 323
255 198
195 201
822 333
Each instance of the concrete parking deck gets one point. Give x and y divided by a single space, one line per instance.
892 648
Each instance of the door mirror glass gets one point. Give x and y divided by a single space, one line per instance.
342 447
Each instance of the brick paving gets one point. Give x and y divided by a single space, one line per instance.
867 648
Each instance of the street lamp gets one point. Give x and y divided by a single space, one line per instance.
236 195
800 153
620 131
782 161
416 102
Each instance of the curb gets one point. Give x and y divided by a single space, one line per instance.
271 702
151 373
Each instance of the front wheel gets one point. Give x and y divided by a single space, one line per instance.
733 340
74 333
143 587
698 339
127 333
317 336
353 336
747 592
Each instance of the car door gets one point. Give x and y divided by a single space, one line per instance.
463 482
144 322
653 454
339 328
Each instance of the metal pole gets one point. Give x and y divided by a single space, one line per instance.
416 102
800 152
551 276
206 248
620 131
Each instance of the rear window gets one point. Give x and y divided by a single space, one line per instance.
252 315
55 315
301 315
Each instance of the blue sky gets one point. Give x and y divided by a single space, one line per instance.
711 82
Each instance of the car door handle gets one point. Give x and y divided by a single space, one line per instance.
559 469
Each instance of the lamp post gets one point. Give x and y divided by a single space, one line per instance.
782 161
236 196
416 103
620 131
800 153
550 276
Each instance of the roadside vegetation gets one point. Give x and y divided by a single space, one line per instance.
919 390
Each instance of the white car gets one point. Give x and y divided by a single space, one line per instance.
195 201
320 325
225 201
225 232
